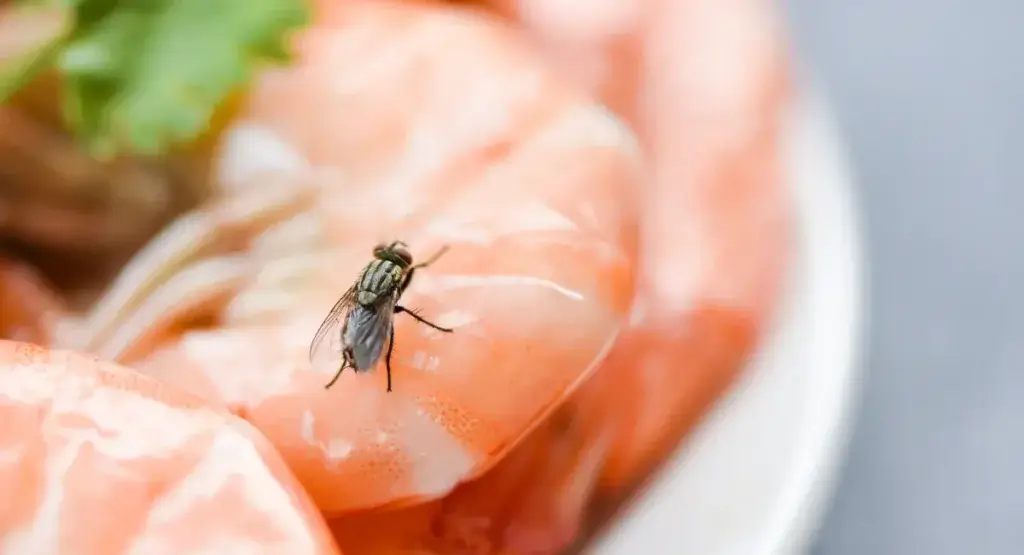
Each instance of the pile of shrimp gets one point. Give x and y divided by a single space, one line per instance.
606 177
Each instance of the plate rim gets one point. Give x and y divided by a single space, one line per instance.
799 521
812 142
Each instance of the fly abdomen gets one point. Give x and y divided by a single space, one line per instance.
366 331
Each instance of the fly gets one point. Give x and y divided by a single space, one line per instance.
362 319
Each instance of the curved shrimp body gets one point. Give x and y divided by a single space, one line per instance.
534 501
436 126
704 83
707 100
166 473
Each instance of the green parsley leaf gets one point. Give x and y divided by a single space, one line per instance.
143 75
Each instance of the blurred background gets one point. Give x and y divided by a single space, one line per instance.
930 96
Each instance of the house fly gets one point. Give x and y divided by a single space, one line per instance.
362 319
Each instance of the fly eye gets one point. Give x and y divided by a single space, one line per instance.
403 254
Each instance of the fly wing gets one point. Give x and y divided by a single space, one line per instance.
325 349
368 329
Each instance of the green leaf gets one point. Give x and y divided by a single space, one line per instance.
143 75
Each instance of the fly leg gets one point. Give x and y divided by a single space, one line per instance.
387 360
412 269
346 362
344 365
432 259
420 319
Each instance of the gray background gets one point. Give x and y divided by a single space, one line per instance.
930 96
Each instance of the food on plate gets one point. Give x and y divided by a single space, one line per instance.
118 462
705 84
530 183
606 174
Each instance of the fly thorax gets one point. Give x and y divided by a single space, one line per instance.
381 277
366 298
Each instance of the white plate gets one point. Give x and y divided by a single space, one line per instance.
755 477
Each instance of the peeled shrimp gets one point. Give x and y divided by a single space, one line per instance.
99 459
436 126
704 83
440 126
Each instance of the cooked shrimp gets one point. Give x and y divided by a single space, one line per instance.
434 126
99 459
706 94
532 502
703 82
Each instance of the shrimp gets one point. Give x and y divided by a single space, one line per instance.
437 125
100 459
534 501
413 122
705 85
